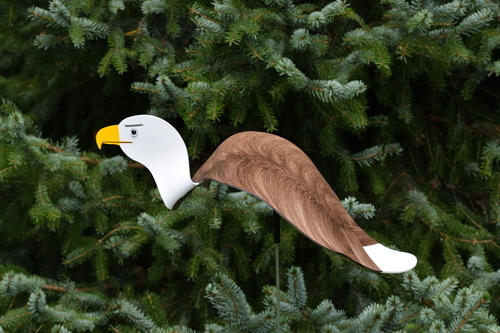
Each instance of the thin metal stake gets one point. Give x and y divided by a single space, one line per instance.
277 239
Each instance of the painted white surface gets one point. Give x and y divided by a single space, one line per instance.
390 261
157 145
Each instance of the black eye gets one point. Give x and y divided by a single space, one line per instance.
134 132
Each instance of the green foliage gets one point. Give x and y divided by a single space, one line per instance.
425 305
395 101
356 209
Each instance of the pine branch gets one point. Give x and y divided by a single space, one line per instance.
296 287
355 209
230 302
130 312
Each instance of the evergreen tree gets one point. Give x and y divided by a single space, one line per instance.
396 102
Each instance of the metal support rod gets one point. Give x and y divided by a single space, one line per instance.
277 240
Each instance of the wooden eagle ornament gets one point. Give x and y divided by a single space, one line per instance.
264 165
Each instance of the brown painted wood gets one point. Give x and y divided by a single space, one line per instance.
279 173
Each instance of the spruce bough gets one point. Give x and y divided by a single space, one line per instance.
395 101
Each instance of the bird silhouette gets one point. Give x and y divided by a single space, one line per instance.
265 165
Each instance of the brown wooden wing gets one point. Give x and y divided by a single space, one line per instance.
281 174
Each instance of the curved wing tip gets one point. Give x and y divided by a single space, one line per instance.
390 261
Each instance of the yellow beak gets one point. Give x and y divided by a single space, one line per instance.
108 135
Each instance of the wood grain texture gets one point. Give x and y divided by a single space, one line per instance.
281 174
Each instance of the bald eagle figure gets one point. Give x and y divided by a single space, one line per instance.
264 165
